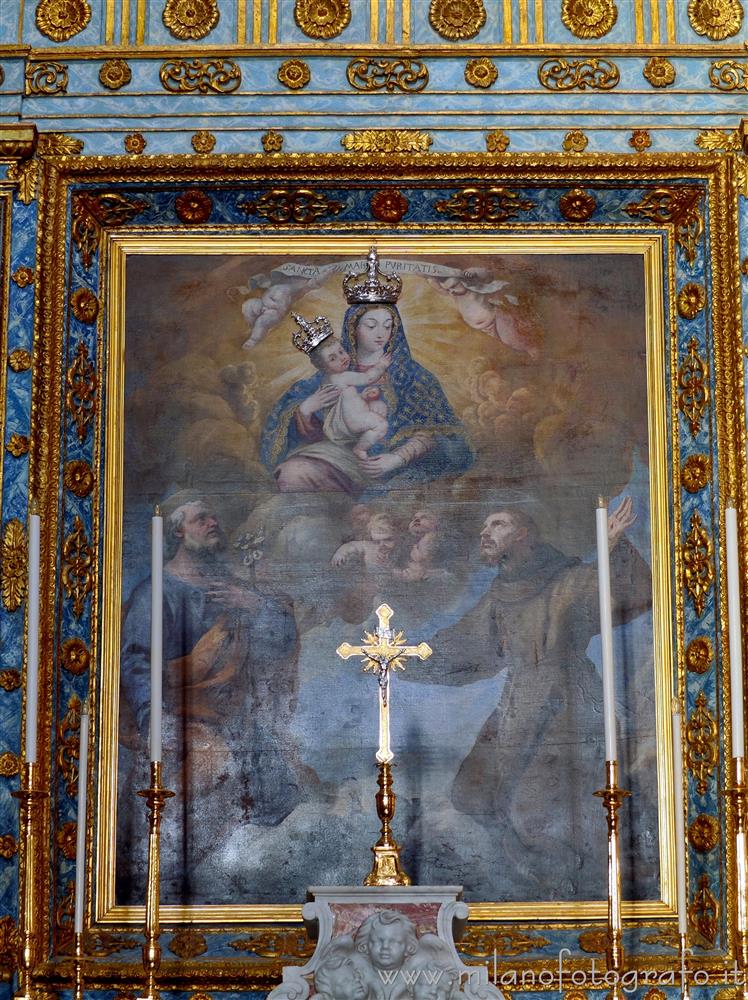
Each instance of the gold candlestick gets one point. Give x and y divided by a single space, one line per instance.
612 797
383 651
737 794
31 801
78 967
155 797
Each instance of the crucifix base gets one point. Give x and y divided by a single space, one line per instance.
386 869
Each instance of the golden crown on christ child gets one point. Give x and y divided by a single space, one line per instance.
310 333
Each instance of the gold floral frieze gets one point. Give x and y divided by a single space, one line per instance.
703 911
704 833
717 19
198 76
46 79
698 563
134 143
302 206
77 567
203 141
276 943
497 141
322 18
589 18
457 19
13 565
492 203
60 20
680 206
272 142
693 396
640 140
386 140
699 655
729 74
188 943
81 389
190 20
579 74
193 206
409 76
702 751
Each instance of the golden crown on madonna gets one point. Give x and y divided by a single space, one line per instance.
310 334
372 285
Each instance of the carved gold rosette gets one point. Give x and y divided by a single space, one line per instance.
455 19
577 205
481 72
294 74
191 19
18 444
691 300
717 19
115 73
703 833
322 18
61 19
695 473
659 71
699 655
589 18
75 656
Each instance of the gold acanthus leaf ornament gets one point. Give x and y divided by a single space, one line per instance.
77 563
483 941
61 19
197 76
68 744
407 75
701 744
386 140
80 397
589 18
456 19
717 19
703 913
46 79
579 74
698 566
302 206
717 138
678 205
13 565
191 19
694 391
484 204
322 18
729 74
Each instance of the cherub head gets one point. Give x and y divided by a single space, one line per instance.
432 970
388 938
338 976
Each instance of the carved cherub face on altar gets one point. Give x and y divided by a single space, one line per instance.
340 974
386 938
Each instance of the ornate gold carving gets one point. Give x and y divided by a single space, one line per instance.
77 561
64 918
717 138
115 74
593 942
19 360
8 940
61 19
744 267
387 140
78 477
388 205
483 941
575 141
187 943
666 937
481 72
203 141
10 680
65 838
659 72
484 204
10 765
699 655
291 942
17 142
717 19
193 206
17 445
212 76
75 656
695 473
23 276
272 142
578 74
46 78
85 305
190 19
13 563
691 300
25 173
703 913
455 19
59 144
294 74
80 397
694 395
135 143
322 18
497 141
589 18
704 832
99 943
407 75
677 205
653 993
729 74
69 744
701 744
577 205
8 846
640 139
300 205
91 212
698 568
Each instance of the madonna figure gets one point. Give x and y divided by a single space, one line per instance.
423 439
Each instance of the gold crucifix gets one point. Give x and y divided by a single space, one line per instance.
384 651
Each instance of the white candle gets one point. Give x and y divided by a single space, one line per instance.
80 843
735 631
680 830
157 600
606 630
32 645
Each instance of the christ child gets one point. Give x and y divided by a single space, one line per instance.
354 416
377 552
